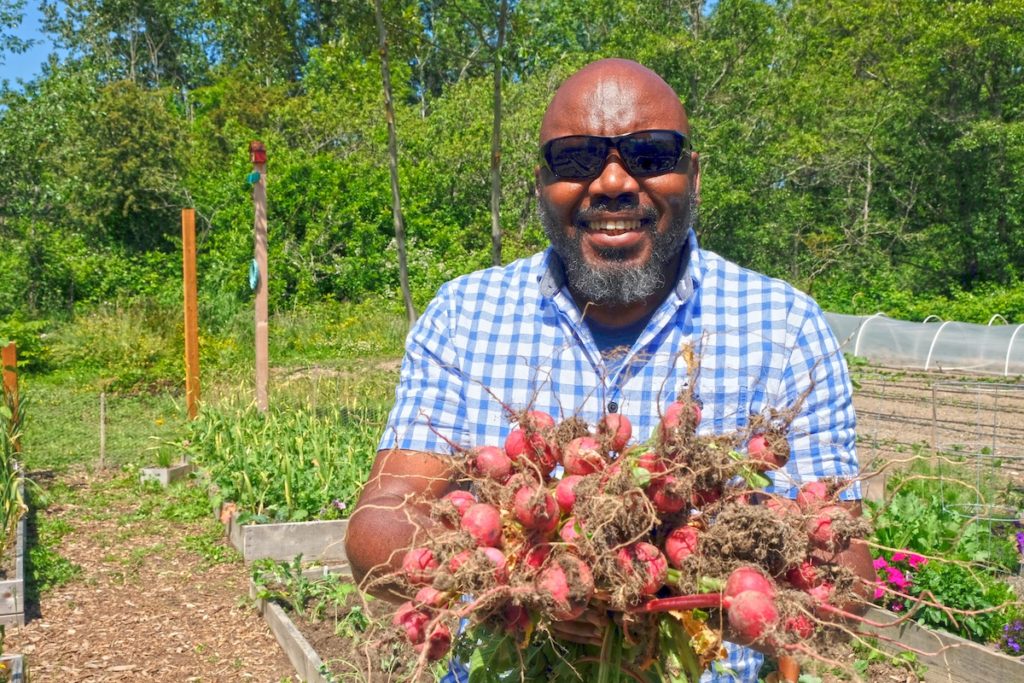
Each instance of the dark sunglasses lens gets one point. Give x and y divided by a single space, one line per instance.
651 153
580 156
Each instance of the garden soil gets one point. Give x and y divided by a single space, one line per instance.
144 607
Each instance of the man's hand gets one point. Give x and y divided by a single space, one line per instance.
587 629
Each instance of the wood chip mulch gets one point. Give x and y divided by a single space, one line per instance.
144 607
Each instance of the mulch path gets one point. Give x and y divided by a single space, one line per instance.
144 607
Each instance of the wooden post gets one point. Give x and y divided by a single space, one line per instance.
9 361
103 430
258 156
188 269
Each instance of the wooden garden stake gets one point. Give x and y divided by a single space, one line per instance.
188 268
103 430
258 157
9 361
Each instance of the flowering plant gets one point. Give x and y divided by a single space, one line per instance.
1011 641
895 575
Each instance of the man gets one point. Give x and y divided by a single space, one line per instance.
597 324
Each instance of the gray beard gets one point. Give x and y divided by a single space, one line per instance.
614 284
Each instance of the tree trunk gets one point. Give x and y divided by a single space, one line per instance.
396 201
496 139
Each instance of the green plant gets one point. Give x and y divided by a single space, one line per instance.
955 585
288 464
12 496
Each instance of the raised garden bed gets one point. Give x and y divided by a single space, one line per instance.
950 658
307 663
335 646
12 589
165 476
322 542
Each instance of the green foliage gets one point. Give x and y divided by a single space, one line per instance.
290 464
30 340
926 514
958 587
312 597
131 346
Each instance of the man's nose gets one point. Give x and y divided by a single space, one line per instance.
614 188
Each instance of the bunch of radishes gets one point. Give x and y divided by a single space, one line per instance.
635 531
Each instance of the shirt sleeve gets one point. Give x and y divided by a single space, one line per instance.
822 435
429 412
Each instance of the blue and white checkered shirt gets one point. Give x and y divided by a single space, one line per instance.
512 337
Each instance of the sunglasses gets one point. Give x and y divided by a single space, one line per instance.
645 153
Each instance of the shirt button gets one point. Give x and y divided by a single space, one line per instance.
613 407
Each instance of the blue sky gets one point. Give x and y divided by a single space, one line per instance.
27 65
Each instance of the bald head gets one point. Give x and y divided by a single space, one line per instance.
613 97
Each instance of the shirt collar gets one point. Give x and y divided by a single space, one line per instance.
552 276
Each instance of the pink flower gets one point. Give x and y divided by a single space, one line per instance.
897 578
879 591
880 563
916 560
899 557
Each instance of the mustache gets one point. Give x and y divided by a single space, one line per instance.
648 215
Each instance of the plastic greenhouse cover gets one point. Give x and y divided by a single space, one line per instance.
935 345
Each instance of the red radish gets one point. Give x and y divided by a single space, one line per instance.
569 532
616 428
701 499
680 544
430 597
819 527
565 492
680 415
610 472
535 509
437 643
569 583
752 614
803 576
497 558
743 579
648 561
515 444
412 621
461 500
491 462
516 617
419 565
583 456
651 462
460 558
781 506
537 555
761 454
483 522
532 446
538 421
666 500
812 495
800 625
822 597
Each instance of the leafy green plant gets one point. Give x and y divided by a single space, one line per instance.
959 587
12 496
288 464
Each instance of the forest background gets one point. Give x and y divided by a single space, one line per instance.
871 152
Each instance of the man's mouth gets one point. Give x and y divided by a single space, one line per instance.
614 226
